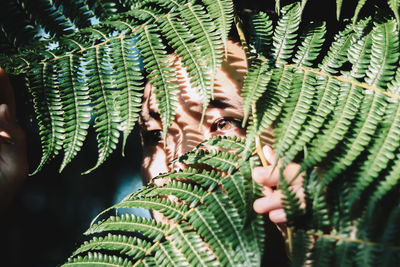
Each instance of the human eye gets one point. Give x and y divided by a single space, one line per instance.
152 138
226 124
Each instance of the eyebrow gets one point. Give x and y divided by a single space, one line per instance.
218 103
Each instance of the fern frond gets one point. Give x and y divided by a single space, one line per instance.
78 12
267 111
394 6
223 161
75 96
193 247
51 17
347 96
207 38
284 38
301 241
131 246
206 225
338 51
358 8
382 150
184 191
297 106
98 259
130 223
161 73
261 31
48 107
170 209
102 94
129 82
207 179
259 74
182 41
231 143
311 44
221 12
167 255
384 55
231 224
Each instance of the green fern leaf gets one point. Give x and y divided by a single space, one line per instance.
394 5
221 12
130 223
284 38
384 56
78 12
301 241
183 191
129 82
167 255
388 183
98 259
223 161
207 179
259 75
297 106
193 247
161 73
132 246
261 31
358 8
102 94
48 107
181 40
311 44
207 38
207 226
323 251
270 103
338 51
338 8
75 96
170 209
291 202
348 96
232 225
382 150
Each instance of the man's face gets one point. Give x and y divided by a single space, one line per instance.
223 116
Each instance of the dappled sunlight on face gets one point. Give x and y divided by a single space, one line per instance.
223 115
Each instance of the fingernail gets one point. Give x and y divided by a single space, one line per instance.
269 154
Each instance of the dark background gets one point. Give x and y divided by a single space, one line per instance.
46 220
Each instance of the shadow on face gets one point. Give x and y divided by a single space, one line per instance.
223 115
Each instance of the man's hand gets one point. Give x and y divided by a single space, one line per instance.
272 201
13 159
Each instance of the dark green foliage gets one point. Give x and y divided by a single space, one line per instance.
99 67
332 98
202 213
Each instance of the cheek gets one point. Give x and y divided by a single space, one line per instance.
154 163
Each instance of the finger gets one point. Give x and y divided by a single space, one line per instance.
7 94
278 216
290 173
267 176
267 190
268 203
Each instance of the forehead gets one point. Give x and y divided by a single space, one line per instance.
228 82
